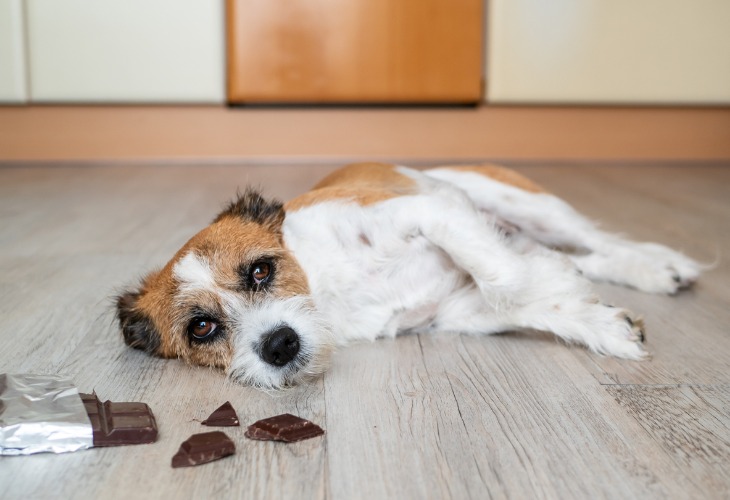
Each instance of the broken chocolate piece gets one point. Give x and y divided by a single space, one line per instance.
224 416
202 448
286 427
116 424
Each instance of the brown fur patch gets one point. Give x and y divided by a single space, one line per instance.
362 183
361 196
156 300
372 175
503 175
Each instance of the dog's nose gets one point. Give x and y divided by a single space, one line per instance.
280 346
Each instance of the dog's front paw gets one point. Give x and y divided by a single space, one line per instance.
622 335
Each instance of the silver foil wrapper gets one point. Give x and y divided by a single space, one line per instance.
41 413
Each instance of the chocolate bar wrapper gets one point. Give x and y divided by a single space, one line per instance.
41 413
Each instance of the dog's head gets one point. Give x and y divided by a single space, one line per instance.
232 297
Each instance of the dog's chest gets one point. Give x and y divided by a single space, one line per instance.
365 276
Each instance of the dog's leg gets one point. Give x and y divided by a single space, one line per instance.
549 220
534 290
582 320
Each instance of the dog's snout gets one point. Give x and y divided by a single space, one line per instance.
280 346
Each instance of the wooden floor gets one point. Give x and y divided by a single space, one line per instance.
516 415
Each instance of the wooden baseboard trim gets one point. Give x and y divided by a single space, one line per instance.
216 133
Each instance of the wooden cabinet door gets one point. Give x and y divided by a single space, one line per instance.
354 51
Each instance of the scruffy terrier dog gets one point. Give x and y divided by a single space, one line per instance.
268 290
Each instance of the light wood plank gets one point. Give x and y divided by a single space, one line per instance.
398 427
690 424
485 418
550 431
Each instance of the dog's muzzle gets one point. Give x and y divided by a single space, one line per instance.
280 346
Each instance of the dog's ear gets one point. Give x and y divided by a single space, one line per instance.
137 327
251 206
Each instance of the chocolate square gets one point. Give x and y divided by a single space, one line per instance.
224 416
116 424
202 448
287 427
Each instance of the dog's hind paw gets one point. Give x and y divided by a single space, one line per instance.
648 267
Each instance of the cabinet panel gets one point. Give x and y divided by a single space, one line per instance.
601 51
12 53
126 51
354 50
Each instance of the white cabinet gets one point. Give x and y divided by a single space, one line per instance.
609 51
162 51
12 53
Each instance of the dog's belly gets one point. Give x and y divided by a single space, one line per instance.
367 280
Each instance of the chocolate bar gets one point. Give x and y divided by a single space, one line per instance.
224 416
286 427
116 424
203 448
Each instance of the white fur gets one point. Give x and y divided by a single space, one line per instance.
436 261
368 278
548 220
251 321
194 273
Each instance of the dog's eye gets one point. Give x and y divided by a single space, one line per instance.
260 272
257 275
202 328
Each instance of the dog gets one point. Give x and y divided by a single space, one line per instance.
269 290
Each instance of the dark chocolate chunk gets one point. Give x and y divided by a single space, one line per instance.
203 448
116 424
286 427
225 416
